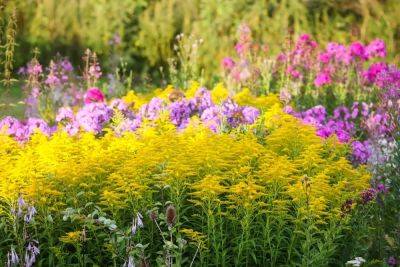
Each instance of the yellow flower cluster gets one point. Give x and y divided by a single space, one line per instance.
290 165
218 94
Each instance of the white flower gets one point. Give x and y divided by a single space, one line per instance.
358 261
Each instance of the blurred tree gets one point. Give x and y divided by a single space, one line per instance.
146 29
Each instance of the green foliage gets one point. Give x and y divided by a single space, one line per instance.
7 53
148 28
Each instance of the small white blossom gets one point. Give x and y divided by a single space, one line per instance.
358 261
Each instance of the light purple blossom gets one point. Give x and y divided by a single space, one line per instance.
232 113
212 118
153 109
93 117
250 114
361 151
201 101
130 262
65 113
121 106
66 65
137 223
34 68
11 125
72 128
180 113
392 261
95 70
31 252
52 80
30 214
382 188
12 258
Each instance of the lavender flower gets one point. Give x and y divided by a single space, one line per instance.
30 214
93 117
136 223
34 68
21 205
250 114
34 124
52 80
95 70
121 106
201 101
212 118
12 258
66 65
153 109
180 113
65 114
130 262
11 125
232 112
130 125
381 188
339 53
361 151
72 128
139 220
32 251
391 261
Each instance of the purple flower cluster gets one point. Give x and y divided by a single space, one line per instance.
32 68
120 105
94 117
373 72
59 72
201 101
335 58
389 83
361 151
307 61
342 122
31 252
391 261
51 87
212 118
345 123
243 70
21 131
299 61
180 112
27 212
152 109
